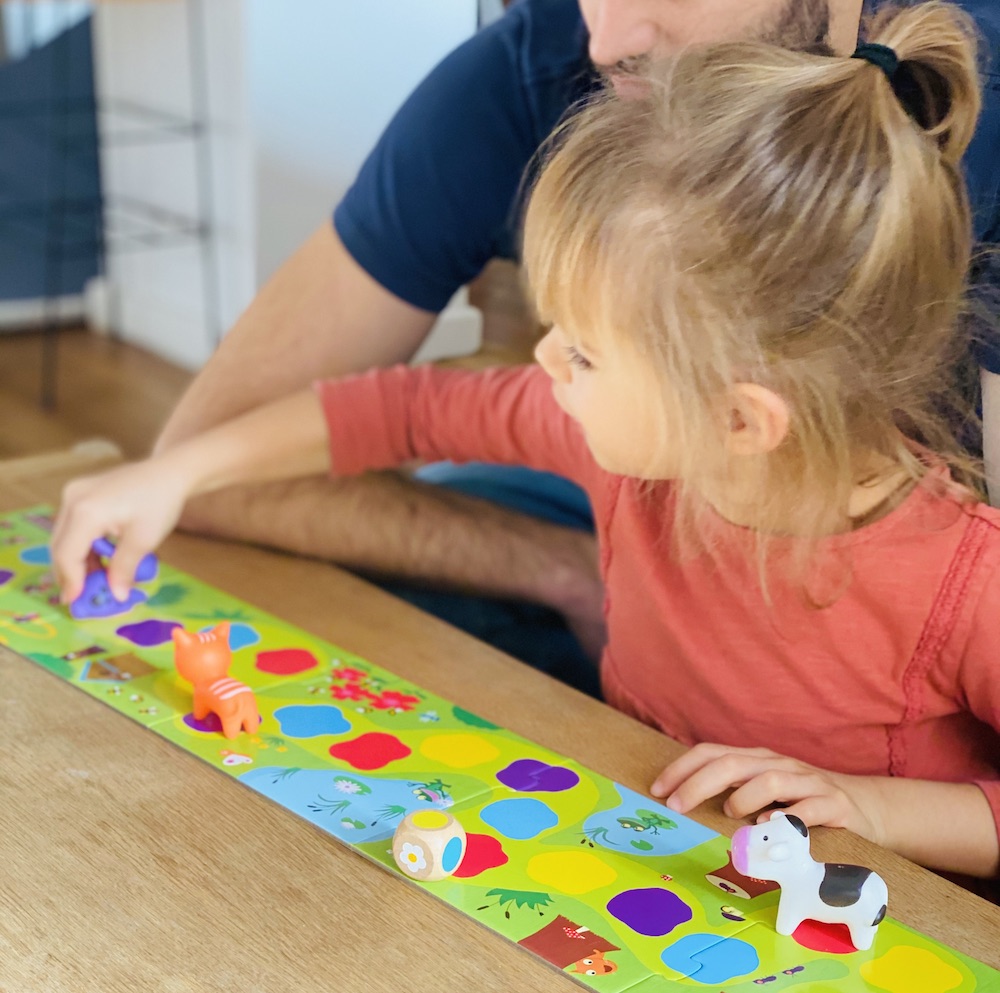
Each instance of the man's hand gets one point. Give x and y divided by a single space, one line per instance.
762 778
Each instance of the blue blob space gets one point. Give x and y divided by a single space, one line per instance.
240 635
312 721
519 819
451 855
708 959
39 555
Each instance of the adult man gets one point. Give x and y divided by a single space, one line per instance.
435 201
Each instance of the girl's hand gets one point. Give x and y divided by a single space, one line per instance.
763 778
137 504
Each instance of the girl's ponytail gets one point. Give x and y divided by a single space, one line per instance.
937 79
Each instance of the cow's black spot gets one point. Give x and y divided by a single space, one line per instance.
798 824
841 886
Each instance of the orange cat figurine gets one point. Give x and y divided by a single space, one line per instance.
203 660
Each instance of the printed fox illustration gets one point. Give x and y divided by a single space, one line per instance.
203 659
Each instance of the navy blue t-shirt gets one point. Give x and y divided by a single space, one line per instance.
438 196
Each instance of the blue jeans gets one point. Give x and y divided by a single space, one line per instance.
532 633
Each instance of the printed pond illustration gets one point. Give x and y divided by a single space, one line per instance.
640 826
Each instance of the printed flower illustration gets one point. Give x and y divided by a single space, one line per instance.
350 786
394 700
412 857
351 692
349 674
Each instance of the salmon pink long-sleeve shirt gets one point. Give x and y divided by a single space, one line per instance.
898 676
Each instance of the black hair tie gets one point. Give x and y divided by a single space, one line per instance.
879 55
926 104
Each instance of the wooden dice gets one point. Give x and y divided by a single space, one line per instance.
428 845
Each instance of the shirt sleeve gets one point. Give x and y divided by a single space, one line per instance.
979 675
434 202
387 417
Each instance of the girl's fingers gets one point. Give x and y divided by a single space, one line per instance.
122 567
776 786
692 761
71 545
728 770
813 811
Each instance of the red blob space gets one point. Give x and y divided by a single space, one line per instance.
835 938
370 751
286 661
482 852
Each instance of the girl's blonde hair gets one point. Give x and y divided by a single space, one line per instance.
785 219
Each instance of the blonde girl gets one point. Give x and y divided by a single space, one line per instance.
753 275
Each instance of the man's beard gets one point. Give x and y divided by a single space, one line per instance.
802 26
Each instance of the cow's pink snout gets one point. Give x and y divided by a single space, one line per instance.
741 849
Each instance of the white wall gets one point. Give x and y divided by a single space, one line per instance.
143 54
325 77
29 24
300 90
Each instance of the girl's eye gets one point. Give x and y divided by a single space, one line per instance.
575 358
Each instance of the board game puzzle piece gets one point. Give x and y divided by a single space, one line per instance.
598 880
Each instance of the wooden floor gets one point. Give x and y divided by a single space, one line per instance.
106 389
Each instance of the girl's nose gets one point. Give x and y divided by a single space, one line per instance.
551 356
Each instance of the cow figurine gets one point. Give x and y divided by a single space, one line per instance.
778 849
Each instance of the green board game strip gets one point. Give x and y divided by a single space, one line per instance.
598 880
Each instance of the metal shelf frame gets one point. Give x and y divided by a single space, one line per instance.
67 227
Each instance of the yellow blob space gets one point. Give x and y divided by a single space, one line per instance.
905 969
571 872
428 819
459 751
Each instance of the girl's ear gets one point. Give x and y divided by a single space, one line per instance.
757 420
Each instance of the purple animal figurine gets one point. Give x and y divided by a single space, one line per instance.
144 571
97 600
828 892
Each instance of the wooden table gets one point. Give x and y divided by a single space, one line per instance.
129 865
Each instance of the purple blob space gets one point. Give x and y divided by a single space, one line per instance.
532 776
209 725
653 912
146 634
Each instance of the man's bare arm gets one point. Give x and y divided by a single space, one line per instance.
322 315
